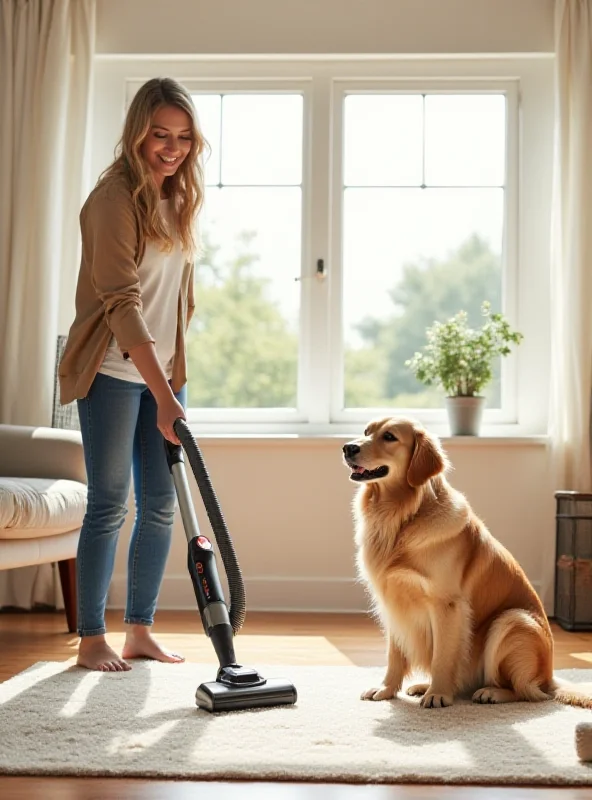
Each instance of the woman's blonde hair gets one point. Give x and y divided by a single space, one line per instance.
185 187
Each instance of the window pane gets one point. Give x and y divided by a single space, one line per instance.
465 140
243 340
262 139
208 112
412 256
383 140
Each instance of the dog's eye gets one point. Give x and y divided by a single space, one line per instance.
389 437
366 432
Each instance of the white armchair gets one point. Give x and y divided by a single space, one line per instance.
43 497
42 502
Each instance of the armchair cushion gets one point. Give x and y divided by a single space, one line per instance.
33 507
43 490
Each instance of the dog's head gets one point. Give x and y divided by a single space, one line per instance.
396 450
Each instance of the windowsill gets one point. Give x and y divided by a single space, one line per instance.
244 439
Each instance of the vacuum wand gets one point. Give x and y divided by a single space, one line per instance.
236 686
201 563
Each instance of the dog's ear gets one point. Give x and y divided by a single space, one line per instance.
427 460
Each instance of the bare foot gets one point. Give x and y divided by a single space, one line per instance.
95 653
139 643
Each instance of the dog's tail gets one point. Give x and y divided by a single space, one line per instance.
571 694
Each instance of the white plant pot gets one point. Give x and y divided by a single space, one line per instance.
464 415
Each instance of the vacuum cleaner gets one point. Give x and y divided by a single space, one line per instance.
236 686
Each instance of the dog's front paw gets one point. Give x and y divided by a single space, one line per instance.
418 689
493 694
384 693
436 699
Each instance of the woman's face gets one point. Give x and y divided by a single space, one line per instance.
168 142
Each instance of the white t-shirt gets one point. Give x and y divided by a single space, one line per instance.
160 274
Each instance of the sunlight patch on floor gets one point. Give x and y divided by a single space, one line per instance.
263 649
587 657
132 743
289 650
79 696
19 683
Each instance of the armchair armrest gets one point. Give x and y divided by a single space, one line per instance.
39 452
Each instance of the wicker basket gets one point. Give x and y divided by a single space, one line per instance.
573 566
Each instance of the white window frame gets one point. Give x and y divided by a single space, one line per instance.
341 88
527 82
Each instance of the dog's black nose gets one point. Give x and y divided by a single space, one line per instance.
351 450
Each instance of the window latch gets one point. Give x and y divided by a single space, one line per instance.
320 272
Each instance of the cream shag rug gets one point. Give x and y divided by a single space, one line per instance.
57 719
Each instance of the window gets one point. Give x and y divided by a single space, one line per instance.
424 179
243 343
348 205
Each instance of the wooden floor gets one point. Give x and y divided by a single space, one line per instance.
266 638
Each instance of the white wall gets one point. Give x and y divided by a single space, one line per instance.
287 502
325 26
288 509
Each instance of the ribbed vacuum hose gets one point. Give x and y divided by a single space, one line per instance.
237 609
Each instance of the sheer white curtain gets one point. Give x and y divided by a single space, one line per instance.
571 258
46 57
46 54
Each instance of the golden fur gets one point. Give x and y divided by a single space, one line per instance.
453 601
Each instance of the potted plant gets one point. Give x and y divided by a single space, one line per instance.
460 360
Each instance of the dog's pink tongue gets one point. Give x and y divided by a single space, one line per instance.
359 469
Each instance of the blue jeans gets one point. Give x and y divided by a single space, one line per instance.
120 436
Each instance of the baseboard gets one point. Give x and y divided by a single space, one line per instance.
334 595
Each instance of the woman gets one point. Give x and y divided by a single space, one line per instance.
125 361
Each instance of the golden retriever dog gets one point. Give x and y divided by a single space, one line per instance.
454 603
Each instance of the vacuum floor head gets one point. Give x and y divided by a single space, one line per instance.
216 696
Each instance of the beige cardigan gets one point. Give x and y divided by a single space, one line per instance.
108 300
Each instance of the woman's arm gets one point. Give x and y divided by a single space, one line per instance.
110 240
169 408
